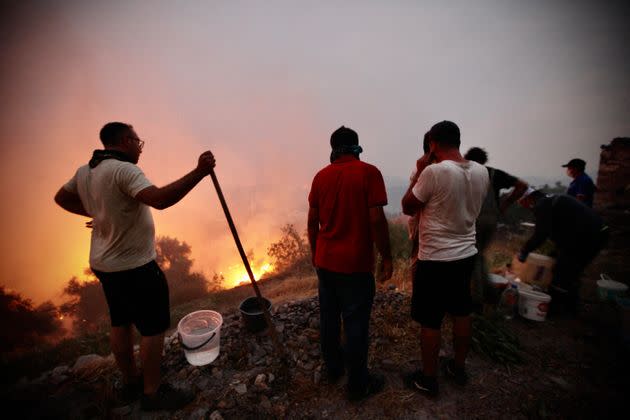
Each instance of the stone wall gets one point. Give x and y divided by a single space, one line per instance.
613 178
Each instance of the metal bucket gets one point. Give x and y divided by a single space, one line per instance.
252 315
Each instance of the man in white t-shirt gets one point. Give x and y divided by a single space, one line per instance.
450 194
115 193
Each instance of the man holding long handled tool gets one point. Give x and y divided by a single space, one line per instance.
345 219
115 193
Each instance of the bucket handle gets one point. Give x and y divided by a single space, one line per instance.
181 342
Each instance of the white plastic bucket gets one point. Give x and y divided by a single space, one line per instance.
199 335
497 281
533 305
608 289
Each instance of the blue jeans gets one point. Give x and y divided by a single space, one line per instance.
348 297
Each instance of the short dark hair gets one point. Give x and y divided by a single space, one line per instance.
112 133
425 143
343 136
445 133
477 154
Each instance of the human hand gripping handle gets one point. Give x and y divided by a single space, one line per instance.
206 163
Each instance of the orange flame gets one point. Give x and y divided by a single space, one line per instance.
237 274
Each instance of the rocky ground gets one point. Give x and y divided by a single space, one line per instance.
571 370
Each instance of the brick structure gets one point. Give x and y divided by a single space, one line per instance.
613 178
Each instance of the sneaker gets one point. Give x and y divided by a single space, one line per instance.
454 372
166 398
375 384
132 391
419 382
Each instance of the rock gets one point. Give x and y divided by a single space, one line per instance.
216 415
391 287
202 382
317 378
265 403
217 373
314 323
388 364
559 381
88 361
199 414
240 389
260 379
60 370
125 410
271 377
57 379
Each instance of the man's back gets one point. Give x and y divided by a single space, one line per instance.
123 230
343 193
570 222
453 194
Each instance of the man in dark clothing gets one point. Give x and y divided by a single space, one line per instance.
486 223
345 220
578 233
582 186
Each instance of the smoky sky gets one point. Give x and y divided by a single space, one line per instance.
263 84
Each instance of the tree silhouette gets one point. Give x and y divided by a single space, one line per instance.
22 325
291 253
87 302
173 257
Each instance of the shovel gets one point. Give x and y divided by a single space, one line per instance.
261 302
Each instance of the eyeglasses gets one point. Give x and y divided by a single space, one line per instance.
137 140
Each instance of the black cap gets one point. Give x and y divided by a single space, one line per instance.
344 136
575 163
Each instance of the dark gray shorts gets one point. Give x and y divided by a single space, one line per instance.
138 296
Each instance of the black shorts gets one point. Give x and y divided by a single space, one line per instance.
441 287
138 296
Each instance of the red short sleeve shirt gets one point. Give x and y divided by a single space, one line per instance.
343 193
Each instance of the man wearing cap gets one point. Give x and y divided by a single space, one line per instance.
582 186
345 220
578 233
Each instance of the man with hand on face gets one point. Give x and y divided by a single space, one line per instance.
115 193
449 195
345 220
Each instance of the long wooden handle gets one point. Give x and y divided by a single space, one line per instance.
261 302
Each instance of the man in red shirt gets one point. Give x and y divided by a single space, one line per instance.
345 220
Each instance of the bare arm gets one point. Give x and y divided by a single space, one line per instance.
517 192
313 229
380 233
164 197
70 202
410 204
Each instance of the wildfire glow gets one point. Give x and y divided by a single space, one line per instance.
237 275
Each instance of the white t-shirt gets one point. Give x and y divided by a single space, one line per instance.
123 233
452 194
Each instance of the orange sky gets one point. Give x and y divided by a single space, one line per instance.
62 101
263 84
